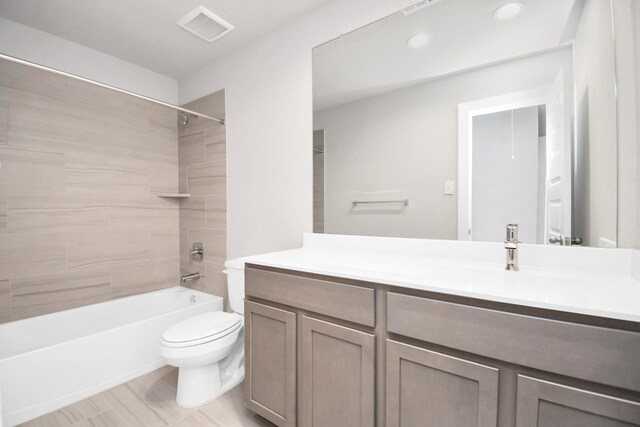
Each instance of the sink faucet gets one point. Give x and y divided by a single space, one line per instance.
511 245
192 276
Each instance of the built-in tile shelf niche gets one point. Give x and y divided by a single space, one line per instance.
175 195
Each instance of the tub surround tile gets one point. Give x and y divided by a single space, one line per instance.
183 186
4 122
163 178
3 213
105 175
215 142
193 212
31 170
217 212
57 212
144 276
215 242
191 149
207 179
134 211
46 254
164 244
34 296
5 301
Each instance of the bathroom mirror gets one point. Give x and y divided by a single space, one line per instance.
452 118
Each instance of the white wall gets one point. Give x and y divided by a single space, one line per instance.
268 87
407 141
595 184
32 45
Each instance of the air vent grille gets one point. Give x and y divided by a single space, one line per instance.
205 24
416 7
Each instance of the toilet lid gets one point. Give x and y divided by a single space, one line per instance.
215 324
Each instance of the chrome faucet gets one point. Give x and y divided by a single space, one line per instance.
192 276
511 245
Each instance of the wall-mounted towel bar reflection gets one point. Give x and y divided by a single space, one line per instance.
369 202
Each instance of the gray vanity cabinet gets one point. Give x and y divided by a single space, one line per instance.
430 389
270 346
547 404
337 375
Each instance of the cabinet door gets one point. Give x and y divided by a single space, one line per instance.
546 404
337 375
270 346
429 389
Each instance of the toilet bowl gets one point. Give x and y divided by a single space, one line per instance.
208 349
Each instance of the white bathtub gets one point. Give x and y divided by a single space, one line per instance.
50 361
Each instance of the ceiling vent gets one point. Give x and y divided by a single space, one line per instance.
205 24
416 7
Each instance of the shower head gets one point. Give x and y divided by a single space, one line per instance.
184 117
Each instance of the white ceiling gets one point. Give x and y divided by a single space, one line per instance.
144 32
463 35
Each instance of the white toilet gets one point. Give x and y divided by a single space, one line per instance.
208 349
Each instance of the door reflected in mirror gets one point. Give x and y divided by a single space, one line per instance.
451 119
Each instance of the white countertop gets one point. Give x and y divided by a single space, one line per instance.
597 282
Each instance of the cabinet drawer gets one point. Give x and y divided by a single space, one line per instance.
351 303
606 356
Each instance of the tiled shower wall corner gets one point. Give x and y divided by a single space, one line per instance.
79 220
203 174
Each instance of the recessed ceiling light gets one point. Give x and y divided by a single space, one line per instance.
509 11
417 41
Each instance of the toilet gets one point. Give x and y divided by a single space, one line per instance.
208 348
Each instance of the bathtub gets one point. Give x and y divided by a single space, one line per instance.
50 361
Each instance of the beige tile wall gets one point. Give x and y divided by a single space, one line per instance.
203 174
79 218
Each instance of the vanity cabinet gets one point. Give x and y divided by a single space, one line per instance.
325 351
270 361
337 375
547 404
430 389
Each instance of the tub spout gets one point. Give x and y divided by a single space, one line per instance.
189 277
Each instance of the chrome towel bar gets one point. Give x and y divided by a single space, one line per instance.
368 202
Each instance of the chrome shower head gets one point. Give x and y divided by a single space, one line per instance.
184 117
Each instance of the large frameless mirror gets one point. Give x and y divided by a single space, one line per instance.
453 118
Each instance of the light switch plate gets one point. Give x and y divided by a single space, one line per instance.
448 188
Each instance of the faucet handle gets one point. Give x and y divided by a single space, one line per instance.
512 233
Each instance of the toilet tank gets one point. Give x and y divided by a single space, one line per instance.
235 284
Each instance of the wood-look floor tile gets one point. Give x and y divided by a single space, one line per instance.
72 414
160 396
228 410
33 296
47 254
108 418
132 408
197 419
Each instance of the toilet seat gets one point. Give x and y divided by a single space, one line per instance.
201 329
